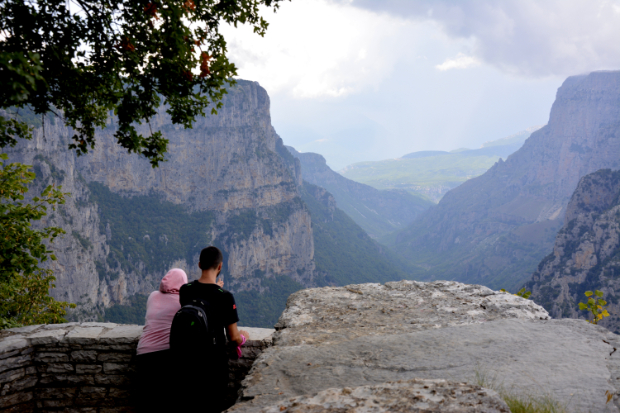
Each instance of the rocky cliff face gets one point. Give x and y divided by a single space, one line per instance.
495 228
586 254
223 179
378 212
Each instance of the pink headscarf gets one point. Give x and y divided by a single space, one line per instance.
173 281
161 307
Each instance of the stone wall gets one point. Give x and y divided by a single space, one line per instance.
87 367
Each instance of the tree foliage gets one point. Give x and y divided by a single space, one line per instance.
24 286
596 306
87 58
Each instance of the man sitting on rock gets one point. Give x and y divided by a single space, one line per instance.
205 375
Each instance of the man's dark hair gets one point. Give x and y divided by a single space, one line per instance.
210 257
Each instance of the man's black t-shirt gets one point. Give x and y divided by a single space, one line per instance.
222 308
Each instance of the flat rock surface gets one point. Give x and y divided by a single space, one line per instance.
366 335
403 396
333 314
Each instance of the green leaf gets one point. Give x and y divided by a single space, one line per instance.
582 306
588 293
602 302
598 293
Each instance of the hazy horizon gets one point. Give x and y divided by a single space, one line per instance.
360 80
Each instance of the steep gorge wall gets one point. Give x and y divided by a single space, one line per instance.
494 229
586 253
224 176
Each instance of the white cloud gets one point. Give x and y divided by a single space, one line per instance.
461 61
317 48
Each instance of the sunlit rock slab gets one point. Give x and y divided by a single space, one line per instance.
366 335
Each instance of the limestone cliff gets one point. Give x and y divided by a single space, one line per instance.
494 229
223 181
586 254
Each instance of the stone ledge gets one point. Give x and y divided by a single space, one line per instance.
369 334
87 366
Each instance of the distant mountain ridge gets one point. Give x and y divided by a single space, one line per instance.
494 229
421 154
378 212
433 173
517 138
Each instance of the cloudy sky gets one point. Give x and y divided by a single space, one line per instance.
359 80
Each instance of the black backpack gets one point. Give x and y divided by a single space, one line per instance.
190 330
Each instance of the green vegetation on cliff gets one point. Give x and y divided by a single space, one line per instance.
264 309
132 312
148 229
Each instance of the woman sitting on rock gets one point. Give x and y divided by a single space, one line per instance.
154 362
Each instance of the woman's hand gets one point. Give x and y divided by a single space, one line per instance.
245 333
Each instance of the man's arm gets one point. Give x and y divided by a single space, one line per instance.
234 335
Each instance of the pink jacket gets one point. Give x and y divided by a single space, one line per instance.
161 307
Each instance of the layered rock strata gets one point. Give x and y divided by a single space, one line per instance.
226 168
85 367
586 253
495 229
370 334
